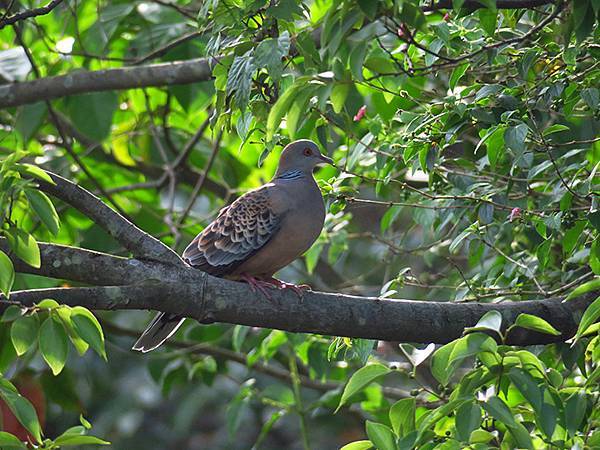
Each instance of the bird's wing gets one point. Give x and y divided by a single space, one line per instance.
239 231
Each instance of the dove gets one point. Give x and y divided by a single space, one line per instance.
261 232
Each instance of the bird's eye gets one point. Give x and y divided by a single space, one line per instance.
307 152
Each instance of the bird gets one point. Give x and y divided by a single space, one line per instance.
258 234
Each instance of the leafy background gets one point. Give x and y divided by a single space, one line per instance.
466 143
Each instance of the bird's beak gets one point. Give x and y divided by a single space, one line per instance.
327 160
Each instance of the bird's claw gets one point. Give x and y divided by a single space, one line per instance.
257 285
297 288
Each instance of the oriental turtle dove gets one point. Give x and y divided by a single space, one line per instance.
261 232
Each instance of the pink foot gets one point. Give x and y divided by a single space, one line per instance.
258 285
297 288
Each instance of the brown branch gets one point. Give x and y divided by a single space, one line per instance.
500 4
27 14
209 299
138 242
166 74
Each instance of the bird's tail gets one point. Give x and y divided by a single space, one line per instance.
160 329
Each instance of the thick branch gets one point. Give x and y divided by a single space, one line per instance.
90 267
167 74
209 299
500 4
138 242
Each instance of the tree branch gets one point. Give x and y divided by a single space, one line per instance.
87 266
500 4
166 74
208 299
29 13
137 241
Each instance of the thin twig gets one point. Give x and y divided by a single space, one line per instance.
27 14
198 187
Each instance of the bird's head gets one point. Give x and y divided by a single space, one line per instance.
302 155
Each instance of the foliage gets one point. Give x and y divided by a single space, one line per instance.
467 151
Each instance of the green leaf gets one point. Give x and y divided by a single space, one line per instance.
447 358
488 18
239 79
357 58
358 445
440 367
514 137
338 96
92 114
455 244
494 143
29 119
281 107
481 437
7 273
468 419
272 343
489 4
388 218
11 313
590 316
48 303
535 323
590 286
88 328
381 436
457 74
10 442
491 320
269 54
368 7
500 411
417 356
44 209
54 344
311 257
591 96
571 237
402 416
575 409
24 246
525 383
35 172
361 378
556 128
69 440
285 10
21 408
23 333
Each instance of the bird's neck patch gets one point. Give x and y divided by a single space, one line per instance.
291 175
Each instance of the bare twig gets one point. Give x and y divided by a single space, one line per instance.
500 4
202 179
29 13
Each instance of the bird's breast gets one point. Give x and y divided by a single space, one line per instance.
303 215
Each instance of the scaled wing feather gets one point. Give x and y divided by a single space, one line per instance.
239 231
